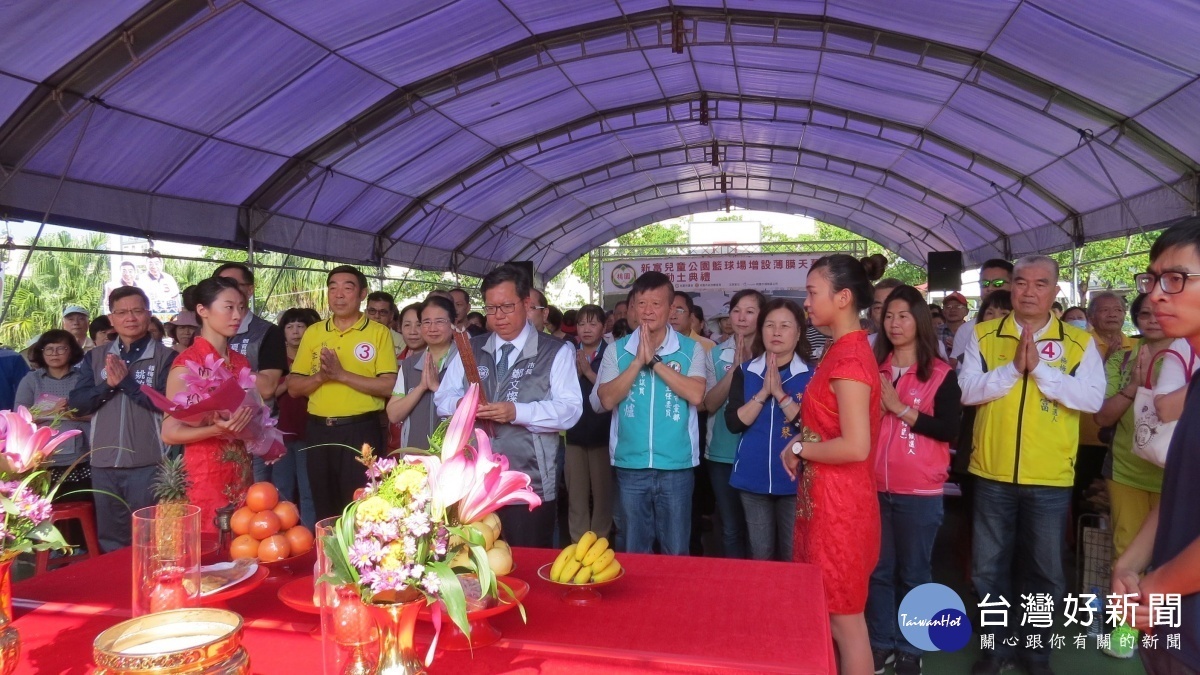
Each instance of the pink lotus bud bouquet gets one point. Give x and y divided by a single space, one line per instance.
399 541
26 491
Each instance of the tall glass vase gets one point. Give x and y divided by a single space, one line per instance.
10 640
396 622
166 558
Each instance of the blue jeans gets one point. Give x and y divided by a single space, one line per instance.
770 525
908 524
656 504
729 508
1019 533
290 476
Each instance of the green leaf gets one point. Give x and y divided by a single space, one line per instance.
509 591
452 596
10 507
46 532
483 570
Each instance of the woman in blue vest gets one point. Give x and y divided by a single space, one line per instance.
764 401
745 309
922 412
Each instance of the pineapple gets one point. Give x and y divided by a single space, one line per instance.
171 483
170 490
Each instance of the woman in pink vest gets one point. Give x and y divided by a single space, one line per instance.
912 459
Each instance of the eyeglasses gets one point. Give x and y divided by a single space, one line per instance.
1170 282
506 308
135 313
538 308
56 349
994 283
679 310
430 323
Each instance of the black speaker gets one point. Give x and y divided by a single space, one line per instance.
945 270
526 266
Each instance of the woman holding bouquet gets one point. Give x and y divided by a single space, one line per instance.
218 467
837 511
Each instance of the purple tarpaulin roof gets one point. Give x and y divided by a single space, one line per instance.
459 134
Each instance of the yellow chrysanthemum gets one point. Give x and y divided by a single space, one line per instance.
374 509
410 480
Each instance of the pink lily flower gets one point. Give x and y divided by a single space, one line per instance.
493 485
449 480
26 444
461 423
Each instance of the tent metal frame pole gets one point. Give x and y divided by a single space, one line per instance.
91 110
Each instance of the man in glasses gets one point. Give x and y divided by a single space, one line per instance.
381 308
1032 376
680 319
528 379
126 426
1168 544
994 275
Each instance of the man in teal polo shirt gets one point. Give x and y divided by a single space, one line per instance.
652 380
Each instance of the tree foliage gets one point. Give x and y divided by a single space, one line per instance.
53 280
898 267
1110 263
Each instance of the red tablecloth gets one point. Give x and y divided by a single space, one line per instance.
668 614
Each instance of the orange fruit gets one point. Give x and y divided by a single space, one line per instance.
264 524
274 548
300 539
262 497
240 522
288 514
243 546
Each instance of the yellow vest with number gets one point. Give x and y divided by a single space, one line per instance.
1023 437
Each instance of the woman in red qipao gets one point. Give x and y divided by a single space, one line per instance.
218 467
837 511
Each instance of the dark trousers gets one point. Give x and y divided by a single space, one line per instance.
334 472
908 526
521 527
1022 525
729 508
114 522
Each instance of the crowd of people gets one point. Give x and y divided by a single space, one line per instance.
822 433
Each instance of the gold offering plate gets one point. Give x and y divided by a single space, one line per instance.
194 641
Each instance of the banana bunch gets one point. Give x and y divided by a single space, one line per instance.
589 561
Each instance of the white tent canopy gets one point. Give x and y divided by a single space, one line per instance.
460 134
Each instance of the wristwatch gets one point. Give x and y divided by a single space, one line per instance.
654 362
797 448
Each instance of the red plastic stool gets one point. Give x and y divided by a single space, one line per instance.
85 513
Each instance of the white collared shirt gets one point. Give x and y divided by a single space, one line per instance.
1083 391
559 413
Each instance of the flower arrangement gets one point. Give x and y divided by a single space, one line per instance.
25 490
403 539
210 388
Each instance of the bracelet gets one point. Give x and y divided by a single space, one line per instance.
1122 393
755 399
902 413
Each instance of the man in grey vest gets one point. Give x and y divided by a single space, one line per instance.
263 345
528 378
126 427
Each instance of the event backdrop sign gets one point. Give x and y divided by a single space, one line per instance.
712 279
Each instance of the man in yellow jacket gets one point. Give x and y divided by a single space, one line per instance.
1031 375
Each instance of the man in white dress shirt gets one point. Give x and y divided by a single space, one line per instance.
1032 376
532 392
